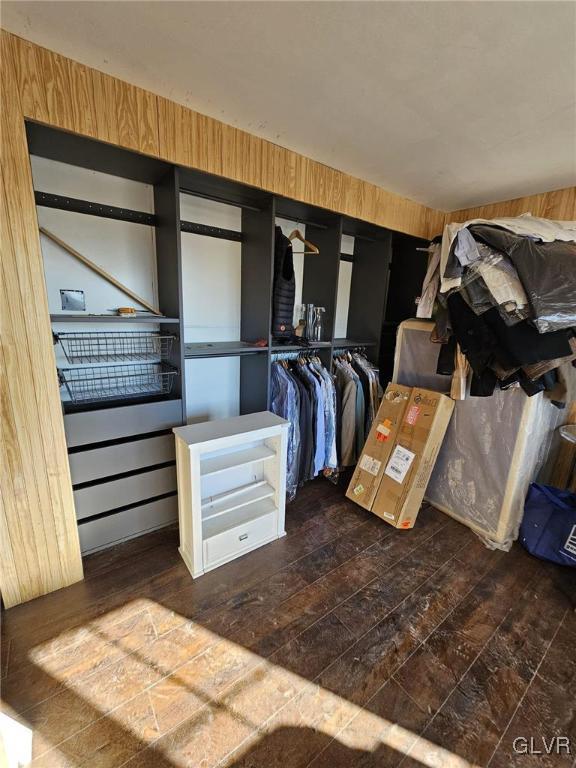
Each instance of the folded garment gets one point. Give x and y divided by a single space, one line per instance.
486 339
545 230
503 283
539 369
466 248
547 272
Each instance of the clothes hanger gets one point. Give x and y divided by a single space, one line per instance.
297 235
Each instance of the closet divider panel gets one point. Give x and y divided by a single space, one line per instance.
169 261
40 549
369 288
320 285
256 303
257 271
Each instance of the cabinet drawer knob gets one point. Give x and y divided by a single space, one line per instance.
243 537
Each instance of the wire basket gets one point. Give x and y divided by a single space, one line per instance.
116 382
111 347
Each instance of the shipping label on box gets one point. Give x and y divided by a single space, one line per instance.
378 447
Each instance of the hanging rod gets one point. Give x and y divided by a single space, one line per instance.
345 350
204 229
294 355
218 199
74 204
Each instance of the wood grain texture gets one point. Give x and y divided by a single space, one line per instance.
559 204
40 550
44 86
256 664
71 96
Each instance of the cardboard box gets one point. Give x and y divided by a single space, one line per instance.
410 463
378 447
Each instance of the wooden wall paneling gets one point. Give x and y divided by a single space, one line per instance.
558 204
81 99
43 364
29 77
42 549
105 107
137 116
10 578
203 145
86 101
148 130
167 132
184 132
127 111
275 168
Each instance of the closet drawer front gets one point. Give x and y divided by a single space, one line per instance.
104 497
116 459
234 542
97 534
114 423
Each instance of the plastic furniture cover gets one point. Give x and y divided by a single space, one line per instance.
493 449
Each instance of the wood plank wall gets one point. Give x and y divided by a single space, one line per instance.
40 550
559 204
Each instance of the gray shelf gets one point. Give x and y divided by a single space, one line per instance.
221 349
112 319
344 343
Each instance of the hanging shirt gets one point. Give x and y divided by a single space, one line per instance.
285 402
348 396
320 448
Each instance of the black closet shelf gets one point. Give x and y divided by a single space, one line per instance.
126 320
221 349
344 343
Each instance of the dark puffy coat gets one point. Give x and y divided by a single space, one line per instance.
284 287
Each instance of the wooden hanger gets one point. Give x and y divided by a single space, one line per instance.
297 235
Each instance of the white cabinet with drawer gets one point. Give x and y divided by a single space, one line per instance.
231 487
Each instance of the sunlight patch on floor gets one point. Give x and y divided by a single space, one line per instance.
147 673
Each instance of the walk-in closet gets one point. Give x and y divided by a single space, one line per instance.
288 456
198 251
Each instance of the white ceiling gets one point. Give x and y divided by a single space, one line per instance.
453 104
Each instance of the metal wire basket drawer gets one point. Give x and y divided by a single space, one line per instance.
115 346
115 382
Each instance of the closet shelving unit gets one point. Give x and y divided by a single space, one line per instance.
232 487
125 444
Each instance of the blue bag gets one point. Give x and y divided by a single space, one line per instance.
548 528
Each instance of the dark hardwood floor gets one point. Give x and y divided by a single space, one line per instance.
345 644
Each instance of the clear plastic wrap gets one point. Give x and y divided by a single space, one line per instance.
546 270
493 448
